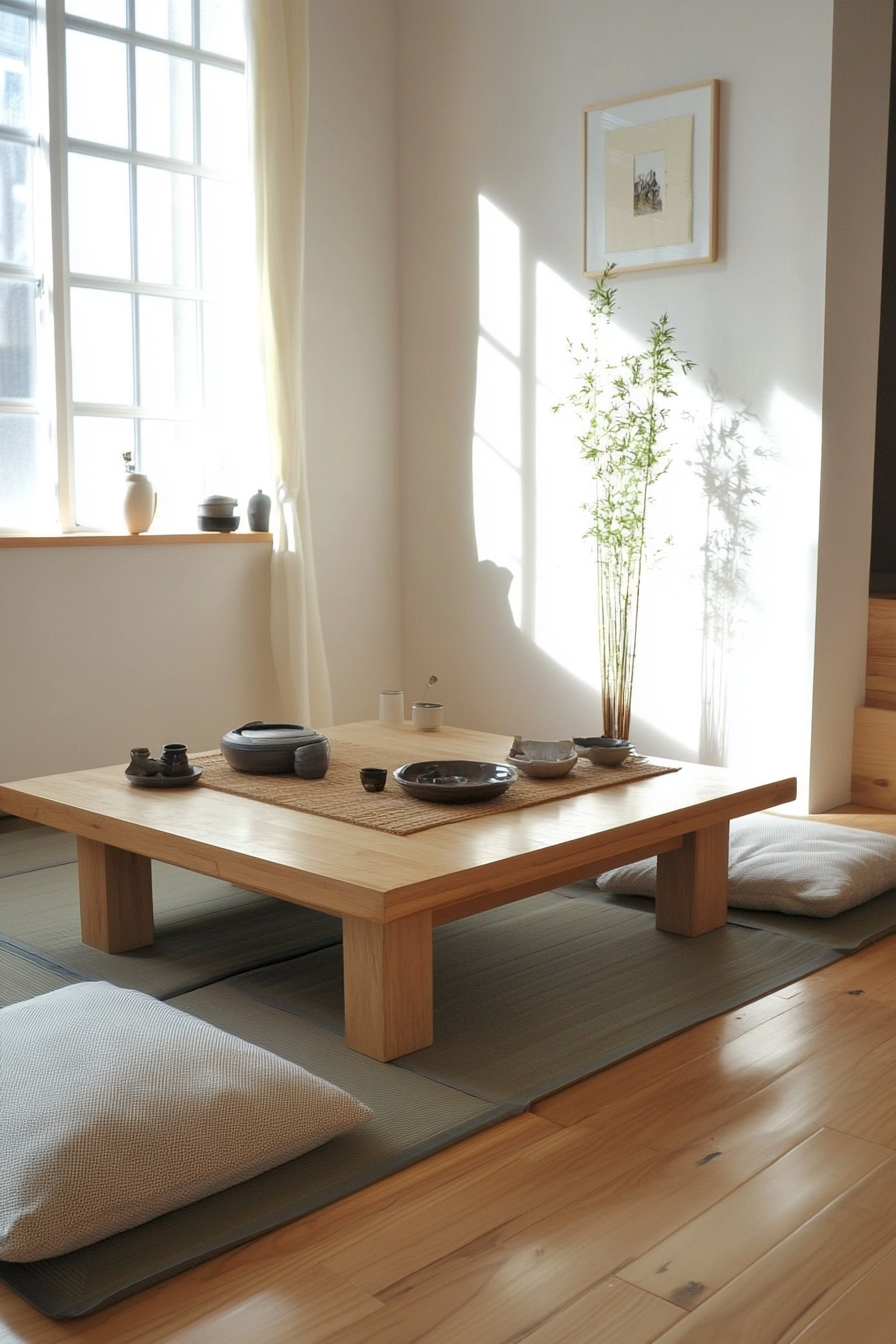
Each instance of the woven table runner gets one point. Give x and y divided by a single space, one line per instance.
339 794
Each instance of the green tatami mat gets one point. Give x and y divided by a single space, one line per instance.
206 930
24 976
413 1117
846 932
35 847
532 996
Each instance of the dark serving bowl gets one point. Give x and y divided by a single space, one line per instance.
266 748
454 781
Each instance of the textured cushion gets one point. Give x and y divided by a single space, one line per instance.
782 863
115 1108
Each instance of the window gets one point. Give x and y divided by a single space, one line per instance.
125 260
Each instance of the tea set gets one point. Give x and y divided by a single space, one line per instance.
259 748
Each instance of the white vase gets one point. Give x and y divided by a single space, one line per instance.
139 502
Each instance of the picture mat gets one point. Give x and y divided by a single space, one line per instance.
700 101
673 225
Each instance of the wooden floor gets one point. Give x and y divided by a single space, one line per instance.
734 1185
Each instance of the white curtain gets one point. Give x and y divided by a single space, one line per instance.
277 33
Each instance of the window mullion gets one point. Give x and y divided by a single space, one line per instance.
60 302
197 201
132 182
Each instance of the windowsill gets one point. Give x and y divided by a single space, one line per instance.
144 539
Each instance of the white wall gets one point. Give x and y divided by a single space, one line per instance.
491 100
417 108
351 346
105 648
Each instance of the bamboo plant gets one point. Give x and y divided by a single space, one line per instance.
623 408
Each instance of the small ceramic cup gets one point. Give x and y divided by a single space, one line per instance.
373 779
174 759
426 716
312 760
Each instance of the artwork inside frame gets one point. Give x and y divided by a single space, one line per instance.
651 180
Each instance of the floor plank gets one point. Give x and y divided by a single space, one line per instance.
784 1291
865 1313
717 1245
610 1313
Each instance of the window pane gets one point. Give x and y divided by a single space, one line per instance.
97 89
224 120
101 11
27 473
172 455
102 355
15 69
168 363
233 394
99 217
17 338
16 211
226 242
221 27
166 241
99 470
164 105
171 19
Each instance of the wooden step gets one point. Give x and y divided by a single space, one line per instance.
874 758
880 674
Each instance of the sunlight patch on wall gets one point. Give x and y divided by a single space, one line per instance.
499 276
497 450
726 635
565 611
497 510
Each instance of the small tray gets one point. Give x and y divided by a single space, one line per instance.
166 781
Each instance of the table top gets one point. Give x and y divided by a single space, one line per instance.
345 869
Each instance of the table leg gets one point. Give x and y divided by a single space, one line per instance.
388 985
692 883
116 897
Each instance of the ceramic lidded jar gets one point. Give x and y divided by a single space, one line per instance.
139 502
258 512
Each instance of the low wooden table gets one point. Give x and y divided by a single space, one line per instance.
389 891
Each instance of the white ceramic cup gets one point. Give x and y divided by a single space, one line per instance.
426 716
391 706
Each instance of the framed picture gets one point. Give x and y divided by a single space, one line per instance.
651 180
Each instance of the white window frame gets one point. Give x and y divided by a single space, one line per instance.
51 273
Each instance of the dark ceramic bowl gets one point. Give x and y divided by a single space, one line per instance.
601 742
269 748
454 781
603 750
217 524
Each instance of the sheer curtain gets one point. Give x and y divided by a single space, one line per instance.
277 35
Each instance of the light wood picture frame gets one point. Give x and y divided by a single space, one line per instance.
651 180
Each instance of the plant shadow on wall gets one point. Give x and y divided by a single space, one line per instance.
727 447
624 406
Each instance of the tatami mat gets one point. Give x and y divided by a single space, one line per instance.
205 929
847 932
534 995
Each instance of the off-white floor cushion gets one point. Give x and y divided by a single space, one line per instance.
783 863
115 1108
